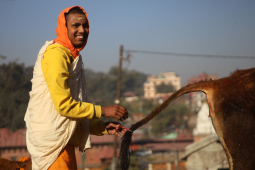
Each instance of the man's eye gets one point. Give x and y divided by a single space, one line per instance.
85 25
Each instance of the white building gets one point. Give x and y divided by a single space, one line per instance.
204 125
153 81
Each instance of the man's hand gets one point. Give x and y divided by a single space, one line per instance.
114 128
115 111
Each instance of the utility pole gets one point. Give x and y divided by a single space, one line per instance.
176 159
82 160
114 159
119 73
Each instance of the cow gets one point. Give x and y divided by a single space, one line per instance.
6 164
231 103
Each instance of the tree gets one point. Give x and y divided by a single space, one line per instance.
14 88
133 81
102 87
168 119
165 88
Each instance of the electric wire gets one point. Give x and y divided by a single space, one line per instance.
189 55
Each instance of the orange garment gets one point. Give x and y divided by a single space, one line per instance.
66 159
62 33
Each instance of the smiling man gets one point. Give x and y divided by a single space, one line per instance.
58 116
78 28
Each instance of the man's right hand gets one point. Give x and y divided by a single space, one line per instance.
115 111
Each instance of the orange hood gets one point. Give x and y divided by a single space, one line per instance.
62 33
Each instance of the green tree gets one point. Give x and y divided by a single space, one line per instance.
133 81
103 86
172 115
14 91
165 88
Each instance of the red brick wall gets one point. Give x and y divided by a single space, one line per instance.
12 153
163 166
182 165
92 156
159 166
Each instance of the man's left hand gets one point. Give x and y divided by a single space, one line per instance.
114 128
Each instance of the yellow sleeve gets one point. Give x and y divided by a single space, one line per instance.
97 127
55 66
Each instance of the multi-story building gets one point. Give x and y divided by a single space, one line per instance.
153 81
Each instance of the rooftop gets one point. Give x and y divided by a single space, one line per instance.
9 138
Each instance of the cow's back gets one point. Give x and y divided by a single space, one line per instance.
234 118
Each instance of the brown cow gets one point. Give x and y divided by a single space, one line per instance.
15 165
231 103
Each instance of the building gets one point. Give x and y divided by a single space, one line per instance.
130 96
13 147
13 144
204 125
163 153
206 154
165 78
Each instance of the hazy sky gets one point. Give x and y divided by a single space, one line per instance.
212 27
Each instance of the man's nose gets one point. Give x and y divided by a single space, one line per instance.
81 29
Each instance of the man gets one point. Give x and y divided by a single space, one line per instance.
58 118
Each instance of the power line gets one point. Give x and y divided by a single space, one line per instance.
190 55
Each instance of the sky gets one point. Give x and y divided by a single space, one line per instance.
212 27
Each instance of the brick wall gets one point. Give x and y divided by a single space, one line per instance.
14 154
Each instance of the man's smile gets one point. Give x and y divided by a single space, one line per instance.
78 29
80 36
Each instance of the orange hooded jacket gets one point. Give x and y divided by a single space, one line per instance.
62 33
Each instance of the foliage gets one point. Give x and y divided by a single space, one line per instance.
103 87
165 88
15 85
139 106
133 81
169 119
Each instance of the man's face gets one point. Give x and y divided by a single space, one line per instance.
78 29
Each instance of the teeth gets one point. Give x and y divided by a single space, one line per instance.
79 36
